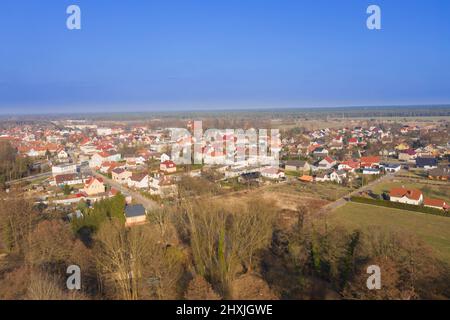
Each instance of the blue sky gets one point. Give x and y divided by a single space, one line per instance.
213 54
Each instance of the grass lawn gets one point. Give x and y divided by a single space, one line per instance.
441 191
434 230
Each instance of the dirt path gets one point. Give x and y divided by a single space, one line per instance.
342 201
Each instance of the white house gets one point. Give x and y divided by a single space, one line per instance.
371 171
338 176
161 185
138 180
64 169
407 196
98 158
327 163
164 157
392 168
322 177
121 175
272 173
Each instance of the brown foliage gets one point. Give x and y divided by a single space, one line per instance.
252 287
200 289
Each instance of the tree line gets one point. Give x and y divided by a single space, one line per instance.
205 248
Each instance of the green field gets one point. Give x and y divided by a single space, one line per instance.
433 230
441 191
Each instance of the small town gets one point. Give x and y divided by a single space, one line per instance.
217 159
84 171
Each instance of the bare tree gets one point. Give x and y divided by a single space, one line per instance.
135 262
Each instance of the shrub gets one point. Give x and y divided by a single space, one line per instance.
402 206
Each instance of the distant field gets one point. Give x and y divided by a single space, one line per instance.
326 191
434 230
441 190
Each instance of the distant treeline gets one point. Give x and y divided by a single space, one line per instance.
280 113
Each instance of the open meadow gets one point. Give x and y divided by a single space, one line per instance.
433 230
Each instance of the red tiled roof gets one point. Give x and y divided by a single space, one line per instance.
413 194
373 159
91 180
435 203
329 160
64 177
169 163
104 154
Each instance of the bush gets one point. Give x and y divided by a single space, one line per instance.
402 206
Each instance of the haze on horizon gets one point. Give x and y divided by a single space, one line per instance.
203 55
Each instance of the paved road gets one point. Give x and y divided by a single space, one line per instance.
146 202
341 202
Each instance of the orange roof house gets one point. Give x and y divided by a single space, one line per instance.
370 161
306 178
408 196
435 203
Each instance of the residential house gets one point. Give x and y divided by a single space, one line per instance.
370 162
371 171
135 215
94 186
121 175
68 179
322 177
353 142
338 176
427 163
98 158
402 147
250 178
164 157
162 185
349 165
108 167
138 180
320 152
297 165
64 169
168 166
272 173
408 196
436 204
326 163
407 155
392 168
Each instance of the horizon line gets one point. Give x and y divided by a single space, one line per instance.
237 109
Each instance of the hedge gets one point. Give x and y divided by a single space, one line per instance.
402 206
